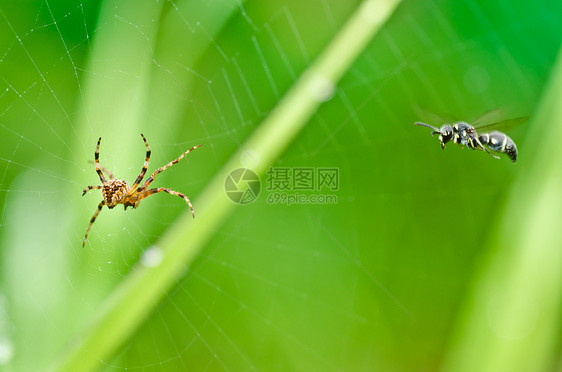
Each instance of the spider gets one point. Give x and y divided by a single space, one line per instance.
115 191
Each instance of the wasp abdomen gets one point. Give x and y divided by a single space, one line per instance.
500 142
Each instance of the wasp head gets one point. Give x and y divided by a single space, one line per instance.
445 134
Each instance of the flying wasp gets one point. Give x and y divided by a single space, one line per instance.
465 134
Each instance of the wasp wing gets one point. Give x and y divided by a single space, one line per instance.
502 125
491 120
492 116
431 117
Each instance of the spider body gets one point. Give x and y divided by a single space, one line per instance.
116 191
113 192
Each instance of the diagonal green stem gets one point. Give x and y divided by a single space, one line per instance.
132 302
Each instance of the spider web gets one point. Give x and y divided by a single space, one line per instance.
349 286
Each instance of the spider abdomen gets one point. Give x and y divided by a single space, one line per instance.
113 192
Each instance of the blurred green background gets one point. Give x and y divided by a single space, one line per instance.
406 272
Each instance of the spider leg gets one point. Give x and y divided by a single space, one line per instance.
100 206
104 170
147 193
90 188
144 168
162 169
97 161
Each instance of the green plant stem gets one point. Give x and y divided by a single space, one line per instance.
134 300
512 318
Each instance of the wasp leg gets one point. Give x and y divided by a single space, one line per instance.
485 149
456 140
